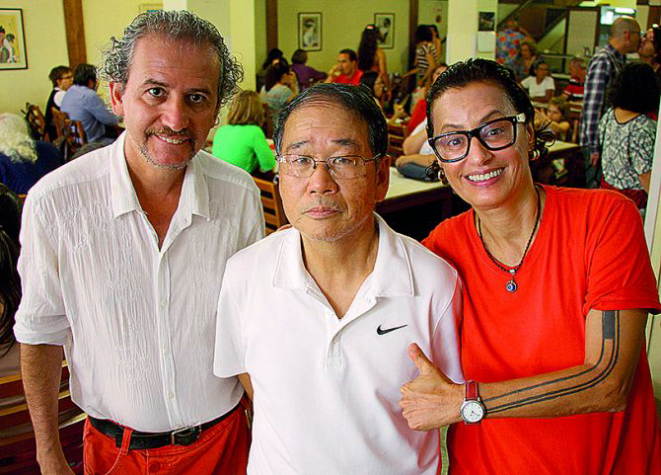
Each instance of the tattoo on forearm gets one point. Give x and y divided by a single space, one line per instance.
610 333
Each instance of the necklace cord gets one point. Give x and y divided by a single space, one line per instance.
515 269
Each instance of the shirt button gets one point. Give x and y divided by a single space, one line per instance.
154 467
164 303
171 395
166 351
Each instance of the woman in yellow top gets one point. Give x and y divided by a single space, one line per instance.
242 142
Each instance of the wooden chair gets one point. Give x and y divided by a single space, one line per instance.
59 118
396 136
17 444
274 214
37 122
70 131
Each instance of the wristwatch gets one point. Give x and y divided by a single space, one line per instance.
472 410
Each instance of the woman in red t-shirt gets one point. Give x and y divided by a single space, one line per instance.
557 285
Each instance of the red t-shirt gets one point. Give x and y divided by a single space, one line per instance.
344 79
418 115
589 253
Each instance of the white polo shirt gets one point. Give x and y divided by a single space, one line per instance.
326 391
136 320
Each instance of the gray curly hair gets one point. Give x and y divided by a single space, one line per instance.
174 25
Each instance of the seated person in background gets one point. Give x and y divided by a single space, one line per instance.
274 56
420 109
541 87
306 75
574 90
242 141
316 319
10 283
82 103
556 118
374 82
416 143
280 88
62 79
23 161
346 70
627 135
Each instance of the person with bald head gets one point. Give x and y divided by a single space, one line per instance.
623 38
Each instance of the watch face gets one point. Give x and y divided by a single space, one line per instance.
472 412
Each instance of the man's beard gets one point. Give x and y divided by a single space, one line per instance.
167 132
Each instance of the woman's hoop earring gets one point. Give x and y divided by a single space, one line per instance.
217 122
533 155
442 178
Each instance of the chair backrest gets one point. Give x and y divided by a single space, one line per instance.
71 132
59 118
37 122
274 214
396 136
17 445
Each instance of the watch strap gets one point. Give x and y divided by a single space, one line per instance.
472 391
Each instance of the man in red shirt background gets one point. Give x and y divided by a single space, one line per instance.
346 70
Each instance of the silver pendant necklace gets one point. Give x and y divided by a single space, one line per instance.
511 284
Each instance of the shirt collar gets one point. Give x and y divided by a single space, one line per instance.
392 275
616 53
194 192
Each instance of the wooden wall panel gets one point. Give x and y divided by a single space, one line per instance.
75 29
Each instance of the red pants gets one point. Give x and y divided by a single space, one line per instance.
221 450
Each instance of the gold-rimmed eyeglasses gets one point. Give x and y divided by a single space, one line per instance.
340 167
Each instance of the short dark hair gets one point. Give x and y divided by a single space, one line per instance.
57 72
423 33
83 74
299 57
352 54
275 72
635 89
357 100
478 70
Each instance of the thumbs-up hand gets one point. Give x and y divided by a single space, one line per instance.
431 400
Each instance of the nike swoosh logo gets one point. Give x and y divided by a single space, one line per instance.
381 331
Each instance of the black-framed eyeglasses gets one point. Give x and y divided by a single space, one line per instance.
497 134
340 167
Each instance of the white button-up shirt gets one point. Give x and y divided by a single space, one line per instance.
137 322
327 389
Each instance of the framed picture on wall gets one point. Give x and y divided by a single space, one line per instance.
385 22
13 54
309 31
487 21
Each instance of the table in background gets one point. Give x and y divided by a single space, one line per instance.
414 207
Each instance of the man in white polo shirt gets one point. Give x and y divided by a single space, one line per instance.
317 319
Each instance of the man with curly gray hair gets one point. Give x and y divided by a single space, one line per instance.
125 250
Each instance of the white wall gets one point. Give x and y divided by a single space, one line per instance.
46 47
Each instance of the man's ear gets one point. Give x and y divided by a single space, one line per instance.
382 178
116 98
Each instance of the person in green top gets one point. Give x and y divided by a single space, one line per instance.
242 142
